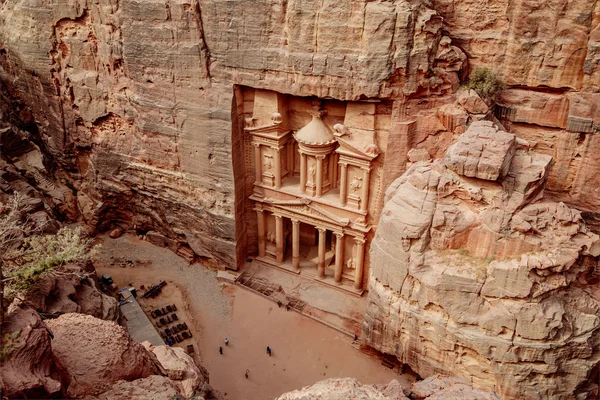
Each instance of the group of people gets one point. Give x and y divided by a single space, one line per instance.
247 373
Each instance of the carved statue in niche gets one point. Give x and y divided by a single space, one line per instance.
268 164
271 237
356 183
405 244
350 263
311 174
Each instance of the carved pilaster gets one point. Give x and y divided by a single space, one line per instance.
339 256
321 258
296 244
344 183
359 244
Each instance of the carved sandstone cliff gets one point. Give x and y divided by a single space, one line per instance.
138 101
474 272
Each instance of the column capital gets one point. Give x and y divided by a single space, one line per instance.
276 148
359 240
366 169
339 235
295 221
320 157
343 164
255 144
278 216
259 209
321 230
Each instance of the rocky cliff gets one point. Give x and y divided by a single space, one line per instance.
137 101
476 273
137 113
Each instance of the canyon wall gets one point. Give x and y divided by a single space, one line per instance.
138 108
475 273
136 100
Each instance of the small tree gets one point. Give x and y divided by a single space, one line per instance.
486 83
25 260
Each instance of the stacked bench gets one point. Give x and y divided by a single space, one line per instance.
170 328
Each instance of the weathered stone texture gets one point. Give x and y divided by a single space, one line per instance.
485 279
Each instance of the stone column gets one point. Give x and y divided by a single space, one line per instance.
302 172
364 198
261 232
279 238
290 159
339 256
344 184
321 259
334 178
277 167
359 262
296 244
320 175
258 163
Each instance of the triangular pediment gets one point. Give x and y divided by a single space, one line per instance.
308 208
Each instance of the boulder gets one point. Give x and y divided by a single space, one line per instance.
153 387
98 353
31 369
482 152
185 375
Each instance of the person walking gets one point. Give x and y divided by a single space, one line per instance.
269 351
247 373
226 342
220 350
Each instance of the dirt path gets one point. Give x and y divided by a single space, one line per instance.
304 351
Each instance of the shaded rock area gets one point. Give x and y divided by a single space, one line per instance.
484 278
98 353
75 290
32 370
436 387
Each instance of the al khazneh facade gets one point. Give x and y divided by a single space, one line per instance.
312 188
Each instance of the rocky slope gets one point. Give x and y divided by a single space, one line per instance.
436 387
475 273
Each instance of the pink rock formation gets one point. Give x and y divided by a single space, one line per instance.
484 279
98 353
181 369
69 293
153 387
436 387
32 370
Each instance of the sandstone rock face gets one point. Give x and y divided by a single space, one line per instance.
436 387
98 353
482 152
180 368
68 293
32 370
484 279
340 389
153 387
137 103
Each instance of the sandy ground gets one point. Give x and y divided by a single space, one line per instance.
304 351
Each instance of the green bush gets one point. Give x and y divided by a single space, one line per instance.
40 255
486 83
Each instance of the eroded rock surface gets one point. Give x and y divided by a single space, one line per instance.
436 387
135 102
98 353
484 278
31 370
74 290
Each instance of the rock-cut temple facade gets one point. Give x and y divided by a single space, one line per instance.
312 186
